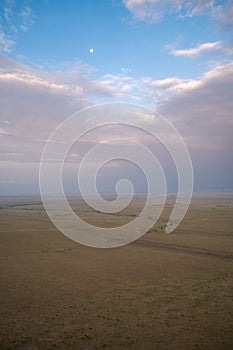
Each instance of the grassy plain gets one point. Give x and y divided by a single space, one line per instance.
161 292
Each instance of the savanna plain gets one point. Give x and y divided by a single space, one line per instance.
163 291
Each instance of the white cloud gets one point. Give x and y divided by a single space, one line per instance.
198 50
158 90
166 84
8 11
125 70
154 10
224 13
6 43
27 17
121 86
193 8
31 79
16 17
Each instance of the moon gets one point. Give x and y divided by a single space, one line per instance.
91 50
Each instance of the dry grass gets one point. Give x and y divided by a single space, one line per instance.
161 292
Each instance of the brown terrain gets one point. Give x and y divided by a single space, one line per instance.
161 292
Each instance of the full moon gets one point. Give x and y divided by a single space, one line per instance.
91 50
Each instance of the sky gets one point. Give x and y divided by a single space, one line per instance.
58 57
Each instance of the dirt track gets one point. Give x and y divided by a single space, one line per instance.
182 249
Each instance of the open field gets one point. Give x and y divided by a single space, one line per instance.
161 292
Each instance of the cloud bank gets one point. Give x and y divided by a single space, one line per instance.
33 103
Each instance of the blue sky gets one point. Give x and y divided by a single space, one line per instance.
58 33
174 56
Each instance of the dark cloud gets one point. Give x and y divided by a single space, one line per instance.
202 112
33 104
